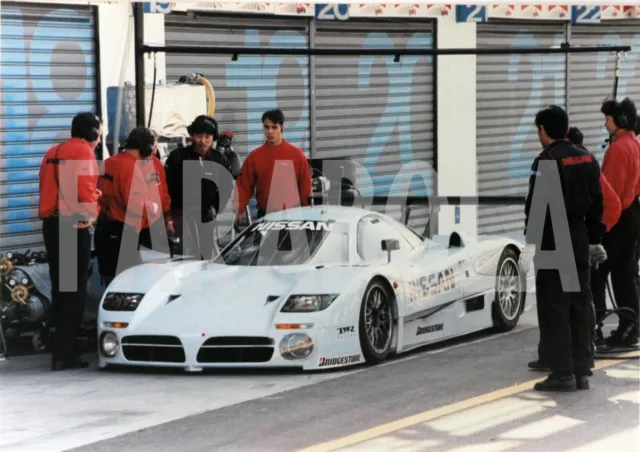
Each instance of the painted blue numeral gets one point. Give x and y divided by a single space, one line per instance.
471 13
542 67
258 75
332 11
396 118
585 14
26 65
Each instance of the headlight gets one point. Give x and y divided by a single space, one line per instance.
308 303
296 346
122 301
109 344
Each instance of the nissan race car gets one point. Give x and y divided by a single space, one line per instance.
313 288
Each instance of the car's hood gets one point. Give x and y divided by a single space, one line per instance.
228 298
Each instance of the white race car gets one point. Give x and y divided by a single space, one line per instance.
314 288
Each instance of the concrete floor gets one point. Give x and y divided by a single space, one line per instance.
470 394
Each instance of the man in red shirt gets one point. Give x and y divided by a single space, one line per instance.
621 167
133 199
67 206
277 173
611 202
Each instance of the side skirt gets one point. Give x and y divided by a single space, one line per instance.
450 320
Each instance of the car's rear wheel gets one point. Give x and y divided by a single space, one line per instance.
376 322
510 292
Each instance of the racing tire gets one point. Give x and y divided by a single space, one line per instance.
510 292
376 325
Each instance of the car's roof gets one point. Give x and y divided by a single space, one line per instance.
343 214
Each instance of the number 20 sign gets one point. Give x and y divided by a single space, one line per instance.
332 11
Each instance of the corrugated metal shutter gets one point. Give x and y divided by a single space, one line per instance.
592 77
374 110
511 89
48 72
246 88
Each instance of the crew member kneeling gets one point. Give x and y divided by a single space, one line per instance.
131 203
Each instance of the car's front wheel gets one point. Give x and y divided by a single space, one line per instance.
376 322
510 292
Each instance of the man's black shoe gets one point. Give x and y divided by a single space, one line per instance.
557 383
582 382
62 364
539 365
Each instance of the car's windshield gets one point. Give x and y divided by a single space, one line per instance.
289 243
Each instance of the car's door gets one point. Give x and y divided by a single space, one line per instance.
434 278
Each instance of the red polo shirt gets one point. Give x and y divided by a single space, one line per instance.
129 186
63 165
288 164
621 167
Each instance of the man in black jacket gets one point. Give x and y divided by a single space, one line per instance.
563 310
184 180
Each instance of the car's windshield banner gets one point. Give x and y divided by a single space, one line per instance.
292 226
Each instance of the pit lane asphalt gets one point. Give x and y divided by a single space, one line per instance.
605 417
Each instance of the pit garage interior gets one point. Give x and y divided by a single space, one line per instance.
466 118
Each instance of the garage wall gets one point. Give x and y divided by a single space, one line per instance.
592 77
48 73
457 125
376 110
511 89
246 88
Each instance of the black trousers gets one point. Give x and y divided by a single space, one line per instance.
621 244
67 305
565 320
196 232
108 241
542 353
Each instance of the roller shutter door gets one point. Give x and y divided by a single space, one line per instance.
377 111
48 72
246 88
511 89
592 77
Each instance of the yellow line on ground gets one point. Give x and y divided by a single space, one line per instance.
435 413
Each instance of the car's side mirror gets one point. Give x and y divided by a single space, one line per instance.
390 245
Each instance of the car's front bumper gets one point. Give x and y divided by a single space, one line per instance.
196 351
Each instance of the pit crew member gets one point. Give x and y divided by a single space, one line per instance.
67 213
276 155
621 167
610 217
198 218
129 206
563 317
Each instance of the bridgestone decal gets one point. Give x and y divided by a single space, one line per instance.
429 329
341 361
